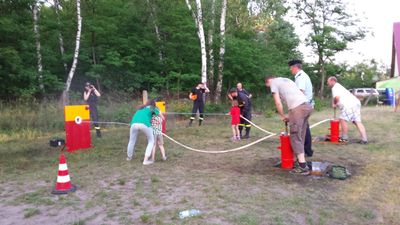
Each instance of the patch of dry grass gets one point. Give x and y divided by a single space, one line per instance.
235 188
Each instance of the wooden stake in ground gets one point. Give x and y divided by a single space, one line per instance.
145 97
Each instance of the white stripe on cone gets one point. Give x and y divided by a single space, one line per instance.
63 179
62 167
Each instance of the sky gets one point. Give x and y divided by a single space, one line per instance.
378 16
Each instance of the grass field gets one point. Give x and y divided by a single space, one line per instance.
235 188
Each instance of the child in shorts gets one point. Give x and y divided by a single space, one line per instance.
235 114
156 124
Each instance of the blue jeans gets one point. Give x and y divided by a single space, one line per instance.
148 131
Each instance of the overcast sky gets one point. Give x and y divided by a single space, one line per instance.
379 16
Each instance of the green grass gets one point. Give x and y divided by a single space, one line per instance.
234 188
35 198
247 219
79 222
29 212
145 218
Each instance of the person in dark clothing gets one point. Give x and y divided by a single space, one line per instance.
303 82
197 96
245 110
239 88
91 95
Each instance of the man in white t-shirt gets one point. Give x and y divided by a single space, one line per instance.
284 89
350 109
303 82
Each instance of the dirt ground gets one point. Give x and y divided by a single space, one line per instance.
233 188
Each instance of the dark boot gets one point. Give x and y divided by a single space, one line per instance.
240 131
200 121
190 122
247 135
98 133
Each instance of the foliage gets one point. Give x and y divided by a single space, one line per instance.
364 74
120 51
332 28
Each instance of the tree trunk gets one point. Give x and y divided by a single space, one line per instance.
321 64
94 59
202 42
200 33
35 13
65 96
211 49
221 52
60 36
156 29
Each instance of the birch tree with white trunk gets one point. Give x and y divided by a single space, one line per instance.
156 29
198 19
218 88
210 46
35 14
65 96
60 36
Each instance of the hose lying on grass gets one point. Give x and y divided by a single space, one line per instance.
270 134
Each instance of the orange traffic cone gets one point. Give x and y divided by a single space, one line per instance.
63 185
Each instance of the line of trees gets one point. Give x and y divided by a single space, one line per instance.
50 47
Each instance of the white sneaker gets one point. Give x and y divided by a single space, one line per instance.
164 158
128 158
148 162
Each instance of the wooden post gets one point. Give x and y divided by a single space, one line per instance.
369 97
145 98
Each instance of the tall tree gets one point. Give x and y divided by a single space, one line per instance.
65 95
156 29
221 52
35 14
211 47
198 18
60 35
332 28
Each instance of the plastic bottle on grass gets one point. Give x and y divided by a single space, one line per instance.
189 213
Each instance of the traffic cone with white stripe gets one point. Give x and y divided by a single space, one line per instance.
63 185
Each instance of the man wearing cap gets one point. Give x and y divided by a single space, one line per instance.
299 111
350 110
91 95
245 111
303 82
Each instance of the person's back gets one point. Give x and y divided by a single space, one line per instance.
244 101
156 124
346 98
235 113
303 82
144 115
288 91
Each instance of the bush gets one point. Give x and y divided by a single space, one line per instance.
179 106
44 116
216 108
321 104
